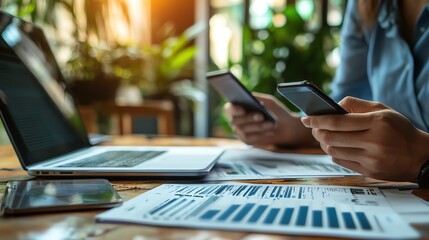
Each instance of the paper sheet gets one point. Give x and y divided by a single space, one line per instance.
354 212
411 208
256 163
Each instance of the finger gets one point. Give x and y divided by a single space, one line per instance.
341 139
349 165
234 110
344 153
340 122
244 131
255 128
351 158
250 118
356 105
271 102
263 96
239 134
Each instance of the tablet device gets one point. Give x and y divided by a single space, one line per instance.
227 85
35 196
309 98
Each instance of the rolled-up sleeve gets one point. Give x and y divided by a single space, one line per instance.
351 78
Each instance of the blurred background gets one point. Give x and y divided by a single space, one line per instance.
149 53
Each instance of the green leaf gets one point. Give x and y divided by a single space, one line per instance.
27 10
184 57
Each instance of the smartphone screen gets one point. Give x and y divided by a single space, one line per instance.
22 197
229 87
309 99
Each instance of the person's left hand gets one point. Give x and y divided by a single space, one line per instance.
372 139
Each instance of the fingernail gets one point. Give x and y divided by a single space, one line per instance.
306 121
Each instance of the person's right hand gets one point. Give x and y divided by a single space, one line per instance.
251 128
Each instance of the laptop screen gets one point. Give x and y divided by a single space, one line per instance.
38 112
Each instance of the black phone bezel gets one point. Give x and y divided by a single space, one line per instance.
256 105
315 90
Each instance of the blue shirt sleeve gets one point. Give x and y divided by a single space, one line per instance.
351 78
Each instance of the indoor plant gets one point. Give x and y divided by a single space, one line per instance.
288 53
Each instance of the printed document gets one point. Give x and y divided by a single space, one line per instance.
253 163
354 212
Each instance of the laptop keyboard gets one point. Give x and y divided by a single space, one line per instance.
115 159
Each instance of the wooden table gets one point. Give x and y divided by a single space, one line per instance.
81 225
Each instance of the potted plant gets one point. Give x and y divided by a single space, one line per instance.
90 75
153 71
97 67
168 70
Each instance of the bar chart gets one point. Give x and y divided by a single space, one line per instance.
260 164
293 209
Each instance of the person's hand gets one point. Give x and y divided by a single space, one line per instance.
372 139
252 129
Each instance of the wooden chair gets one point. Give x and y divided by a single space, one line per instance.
162 110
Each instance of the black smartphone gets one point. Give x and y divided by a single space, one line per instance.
309 98
35 196
227 85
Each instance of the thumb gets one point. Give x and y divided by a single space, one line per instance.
356 105
268 101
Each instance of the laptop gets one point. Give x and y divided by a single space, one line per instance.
47 131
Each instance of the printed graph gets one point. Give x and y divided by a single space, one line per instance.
293 209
